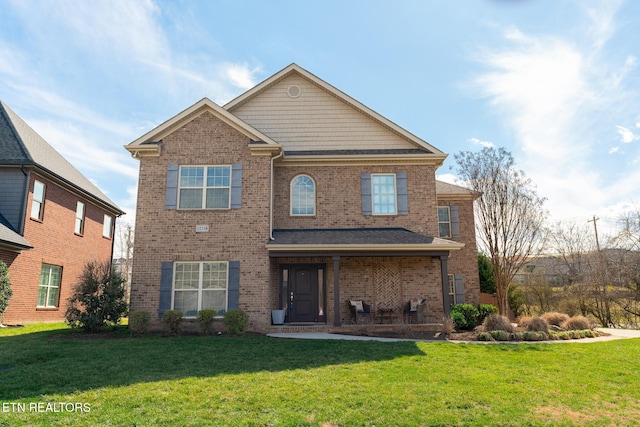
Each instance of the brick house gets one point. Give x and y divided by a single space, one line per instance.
295 196
52 221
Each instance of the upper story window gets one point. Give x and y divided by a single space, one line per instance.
383 191
200 285
37 205
79 228
204 187
444 221
107 226
303 195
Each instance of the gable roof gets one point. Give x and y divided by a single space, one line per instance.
445 190
149 143
296 70
21 145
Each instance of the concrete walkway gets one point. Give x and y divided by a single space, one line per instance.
614 334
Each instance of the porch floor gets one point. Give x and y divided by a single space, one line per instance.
353 329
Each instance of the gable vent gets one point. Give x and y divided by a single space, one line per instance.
294 91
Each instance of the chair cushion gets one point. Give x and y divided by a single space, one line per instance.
413 306
358 305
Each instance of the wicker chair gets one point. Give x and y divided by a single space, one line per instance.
355 314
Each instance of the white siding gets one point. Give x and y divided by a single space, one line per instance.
315 120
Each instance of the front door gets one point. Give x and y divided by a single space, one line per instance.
304 293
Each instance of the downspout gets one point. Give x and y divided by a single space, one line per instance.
25 198
271 200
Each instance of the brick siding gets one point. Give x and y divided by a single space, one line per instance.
54 242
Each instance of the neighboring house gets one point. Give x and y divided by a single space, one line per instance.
52 221
296 196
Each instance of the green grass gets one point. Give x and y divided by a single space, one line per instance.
255 381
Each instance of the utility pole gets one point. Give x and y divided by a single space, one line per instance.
595 228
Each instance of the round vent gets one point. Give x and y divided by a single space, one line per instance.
294 91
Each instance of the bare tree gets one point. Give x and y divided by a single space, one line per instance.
124 260
509 213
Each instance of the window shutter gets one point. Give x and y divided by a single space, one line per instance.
233 288
236 186
366 194
455 221
166 279
459 289
171 198
402 197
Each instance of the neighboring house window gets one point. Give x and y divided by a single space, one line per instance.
79 229
49 289
37 205
200 285
452 290
383 191
303 196
444 221
106 226
204 187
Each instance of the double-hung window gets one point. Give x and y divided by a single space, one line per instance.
303 196
49 288
444 221
204 187
383 191
37 205
200 285
107 226
79 227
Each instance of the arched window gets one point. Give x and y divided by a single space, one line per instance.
303 196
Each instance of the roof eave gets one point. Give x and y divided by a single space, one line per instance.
271 247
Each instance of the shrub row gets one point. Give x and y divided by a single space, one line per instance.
235 320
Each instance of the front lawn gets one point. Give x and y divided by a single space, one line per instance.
50 377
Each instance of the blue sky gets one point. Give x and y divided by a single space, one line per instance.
556 82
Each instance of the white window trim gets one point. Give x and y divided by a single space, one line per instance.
80 230
48 286
395 194
291 195
41 202
204 188
449 235
200 274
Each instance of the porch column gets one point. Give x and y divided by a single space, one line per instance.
336 291
445 285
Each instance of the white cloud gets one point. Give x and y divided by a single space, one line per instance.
627 136
476 141
555 94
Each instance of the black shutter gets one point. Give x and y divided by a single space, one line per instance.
366 194
171 198
459 289
166 281
402 196
233 288
236 186
455 221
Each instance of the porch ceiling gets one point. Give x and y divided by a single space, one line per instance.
357 242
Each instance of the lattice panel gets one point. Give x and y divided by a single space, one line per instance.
388 285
